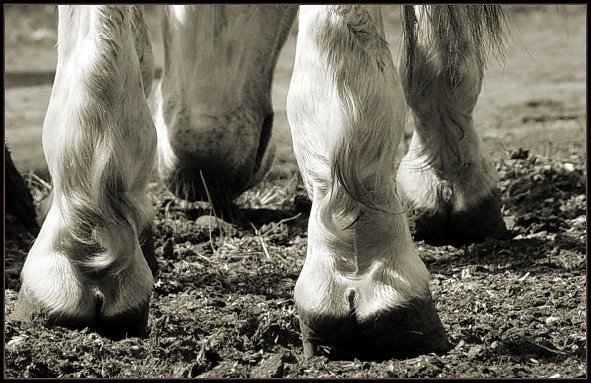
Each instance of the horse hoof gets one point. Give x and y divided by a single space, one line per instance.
406 331
476 224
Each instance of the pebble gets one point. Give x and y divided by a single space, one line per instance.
214 222
550 320
568 167
509 221
580 220
16 340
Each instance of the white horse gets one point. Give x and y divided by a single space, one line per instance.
363 288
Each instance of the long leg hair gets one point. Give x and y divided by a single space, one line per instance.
452 29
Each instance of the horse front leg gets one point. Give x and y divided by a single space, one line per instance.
363 289
86 267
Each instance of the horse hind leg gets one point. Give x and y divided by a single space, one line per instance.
86 267
447 177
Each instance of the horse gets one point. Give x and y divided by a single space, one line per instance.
363 288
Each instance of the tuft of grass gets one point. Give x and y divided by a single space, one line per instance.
268 194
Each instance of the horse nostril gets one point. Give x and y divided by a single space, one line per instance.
264 140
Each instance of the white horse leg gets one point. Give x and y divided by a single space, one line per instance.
86 267
363 289
447 177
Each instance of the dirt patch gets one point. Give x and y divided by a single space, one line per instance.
222 304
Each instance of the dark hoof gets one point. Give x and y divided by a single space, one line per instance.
132 323
302 204
451 227
405 332
18 199
147 246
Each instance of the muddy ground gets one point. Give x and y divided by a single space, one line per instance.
223 305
